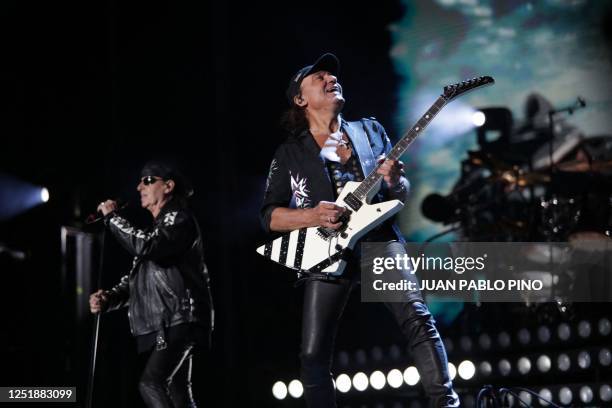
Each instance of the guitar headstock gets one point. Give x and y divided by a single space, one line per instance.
455 90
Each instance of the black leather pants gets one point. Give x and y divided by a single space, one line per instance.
166 380
323 306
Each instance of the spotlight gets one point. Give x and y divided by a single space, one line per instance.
466 343
543 363
411 375
279 390
395 378
525 397
295 389
584 359
547 395
361 357
377 380
448 344
564 332
586 394
485 368
44 195
565 396
377 354
504 367
523 336
563 362
604 357
605 393
543 334
604 326
452 371
524 365
360 381
466 370
478 118
343 383
504 339
485 341
343 358
584 329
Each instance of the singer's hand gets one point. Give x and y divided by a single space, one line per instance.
97 301
107 207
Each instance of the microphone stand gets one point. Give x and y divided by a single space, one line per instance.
96 326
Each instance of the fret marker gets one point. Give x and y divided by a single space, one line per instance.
426 116
416 128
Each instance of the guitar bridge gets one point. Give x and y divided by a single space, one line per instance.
327 233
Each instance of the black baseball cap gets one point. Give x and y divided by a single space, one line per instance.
168 170
326 62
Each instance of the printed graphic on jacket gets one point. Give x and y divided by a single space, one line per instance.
299 196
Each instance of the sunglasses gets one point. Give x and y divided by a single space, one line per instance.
149 180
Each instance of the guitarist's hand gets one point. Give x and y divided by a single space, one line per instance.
391 170
326 214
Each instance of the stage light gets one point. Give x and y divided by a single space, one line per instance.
361 357
584 359
466 369
563 362
395 378
524 365
377 380
478 118
523 336
484 340
565 396
343 383
296 389
525 397
543 363
605 393
17 196
485 368
586 394
395 352
452 371
504 339
411 376
564 331
279 390
604 326
604 357
360 381
376 353
466 343
543 334
343 358
504 367
448 345
584 329
547 395
44 195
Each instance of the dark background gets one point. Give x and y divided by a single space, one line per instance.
90 91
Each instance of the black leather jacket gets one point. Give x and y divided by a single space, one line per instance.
168 283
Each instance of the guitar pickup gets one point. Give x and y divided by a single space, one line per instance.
352 201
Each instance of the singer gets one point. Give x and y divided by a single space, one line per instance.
170 306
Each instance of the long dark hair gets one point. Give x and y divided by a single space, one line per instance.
294 119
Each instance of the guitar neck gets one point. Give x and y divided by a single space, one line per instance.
400 148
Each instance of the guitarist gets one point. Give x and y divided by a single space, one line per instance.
308 172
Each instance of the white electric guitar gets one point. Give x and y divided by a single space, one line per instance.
324 250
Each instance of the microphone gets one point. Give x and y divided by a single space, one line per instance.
13 253
98 216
